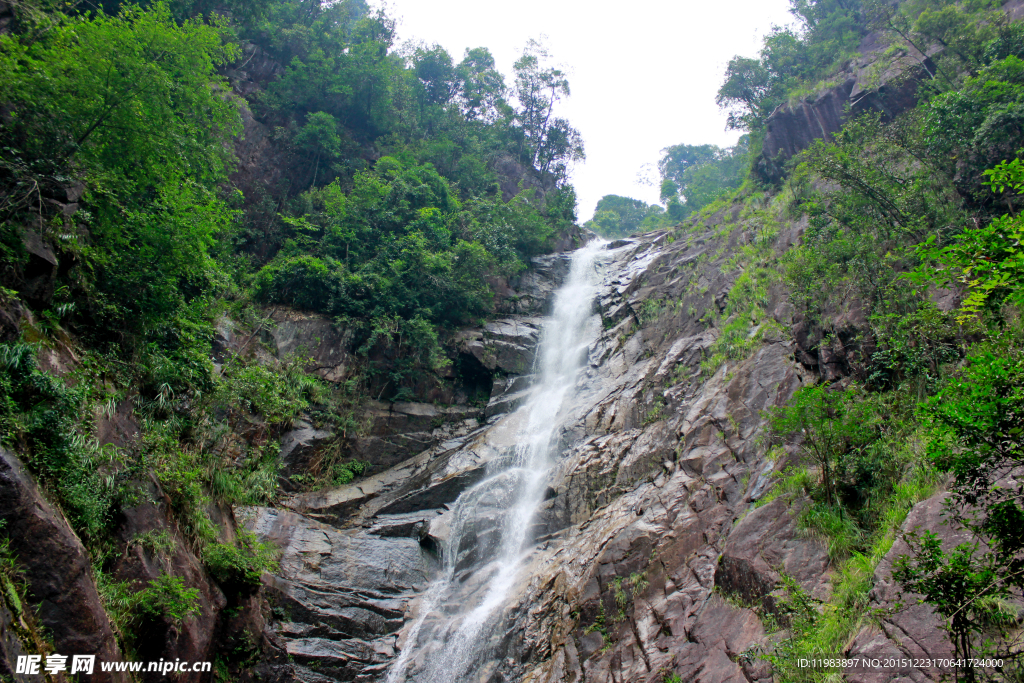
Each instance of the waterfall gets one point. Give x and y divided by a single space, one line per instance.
452 629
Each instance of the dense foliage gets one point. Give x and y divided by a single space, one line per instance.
616 216
131 108
909 271
410 182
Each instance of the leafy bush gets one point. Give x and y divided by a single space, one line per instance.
44 414
276 394
986 259
305 282
976 424
251 482
834 428
238 567
953 583
344 472
155 540
167 597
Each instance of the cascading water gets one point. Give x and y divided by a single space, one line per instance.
453 628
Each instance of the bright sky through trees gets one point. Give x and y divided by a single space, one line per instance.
643 74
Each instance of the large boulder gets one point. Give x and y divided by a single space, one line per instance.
507 346
301 446
765 544
141 562
311 337
56 568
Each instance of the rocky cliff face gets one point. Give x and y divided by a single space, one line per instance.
873 82
650 554
659 463
57 572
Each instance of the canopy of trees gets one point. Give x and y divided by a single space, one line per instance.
392 205
696 175
617 216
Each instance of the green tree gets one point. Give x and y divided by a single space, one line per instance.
436 72
985 260
830 33
549 142
132 98
701 173
976 422
167 597
320 137
483 87
678 159
616 216
830 426
746 93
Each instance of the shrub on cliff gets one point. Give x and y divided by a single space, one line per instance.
131 105
238 567
833 428
167 597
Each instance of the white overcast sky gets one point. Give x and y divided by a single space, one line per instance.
643 74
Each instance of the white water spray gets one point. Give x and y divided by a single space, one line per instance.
458 640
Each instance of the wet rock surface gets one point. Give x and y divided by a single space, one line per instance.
300 447
914 631
655 472
10 647
765 545
340 594
649 555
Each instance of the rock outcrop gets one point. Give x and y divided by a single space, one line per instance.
57 570
296 335
660 461
340 593
763 546
873 82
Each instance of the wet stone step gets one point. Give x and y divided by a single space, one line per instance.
306 650
408 525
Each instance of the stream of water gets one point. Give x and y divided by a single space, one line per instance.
453 630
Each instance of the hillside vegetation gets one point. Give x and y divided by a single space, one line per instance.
173 173
395 186
906 290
